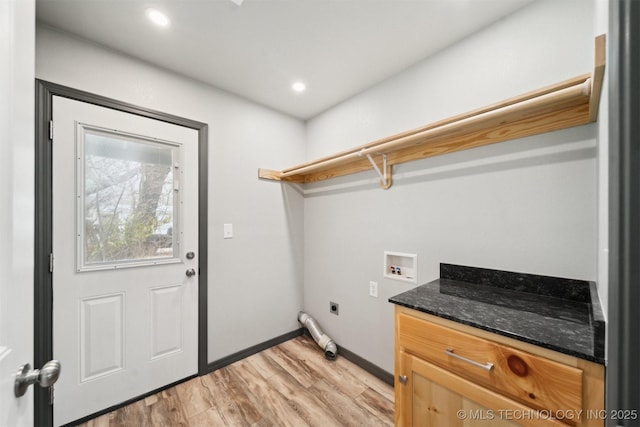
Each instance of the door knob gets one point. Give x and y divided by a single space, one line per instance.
191 272
45 377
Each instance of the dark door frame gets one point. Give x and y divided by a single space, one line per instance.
43 293
623 340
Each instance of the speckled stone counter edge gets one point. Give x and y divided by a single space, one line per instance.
576 290
556 287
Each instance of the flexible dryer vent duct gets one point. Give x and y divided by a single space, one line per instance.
323 340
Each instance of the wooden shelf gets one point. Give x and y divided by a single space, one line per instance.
570 103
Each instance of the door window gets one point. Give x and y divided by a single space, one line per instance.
128 200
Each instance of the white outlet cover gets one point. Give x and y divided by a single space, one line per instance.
373 289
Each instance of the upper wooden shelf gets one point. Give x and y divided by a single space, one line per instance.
570 103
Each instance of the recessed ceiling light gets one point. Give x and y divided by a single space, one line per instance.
158 18
299 87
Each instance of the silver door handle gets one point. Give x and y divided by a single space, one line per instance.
45 377
191 272
486 366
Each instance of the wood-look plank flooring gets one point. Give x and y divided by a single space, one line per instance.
291 384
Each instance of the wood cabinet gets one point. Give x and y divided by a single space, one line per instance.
450 374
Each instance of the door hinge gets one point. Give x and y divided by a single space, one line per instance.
51 130
51 262
52 392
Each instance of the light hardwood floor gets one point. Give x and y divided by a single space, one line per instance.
291 384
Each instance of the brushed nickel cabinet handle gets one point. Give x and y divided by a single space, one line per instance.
486 366
402 378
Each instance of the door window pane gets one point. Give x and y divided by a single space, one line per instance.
128 200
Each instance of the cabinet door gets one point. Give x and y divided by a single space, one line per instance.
432 396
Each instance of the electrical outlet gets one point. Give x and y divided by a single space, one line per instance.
334 308
373 289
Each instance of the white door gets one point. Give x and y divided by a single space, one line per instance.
17 32
125 235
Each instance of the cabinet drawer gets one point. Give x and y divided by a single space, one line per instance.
539 382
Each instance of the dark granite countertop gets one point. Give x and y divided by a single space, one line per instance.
555 313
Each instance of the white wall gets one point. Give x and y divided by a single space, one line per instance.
254 278
528 205
531 205
17 53
601 26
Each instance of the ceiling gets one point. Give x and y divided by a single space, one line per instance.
259 49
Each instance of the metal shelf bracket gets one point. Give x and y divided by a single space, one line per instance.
385 173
